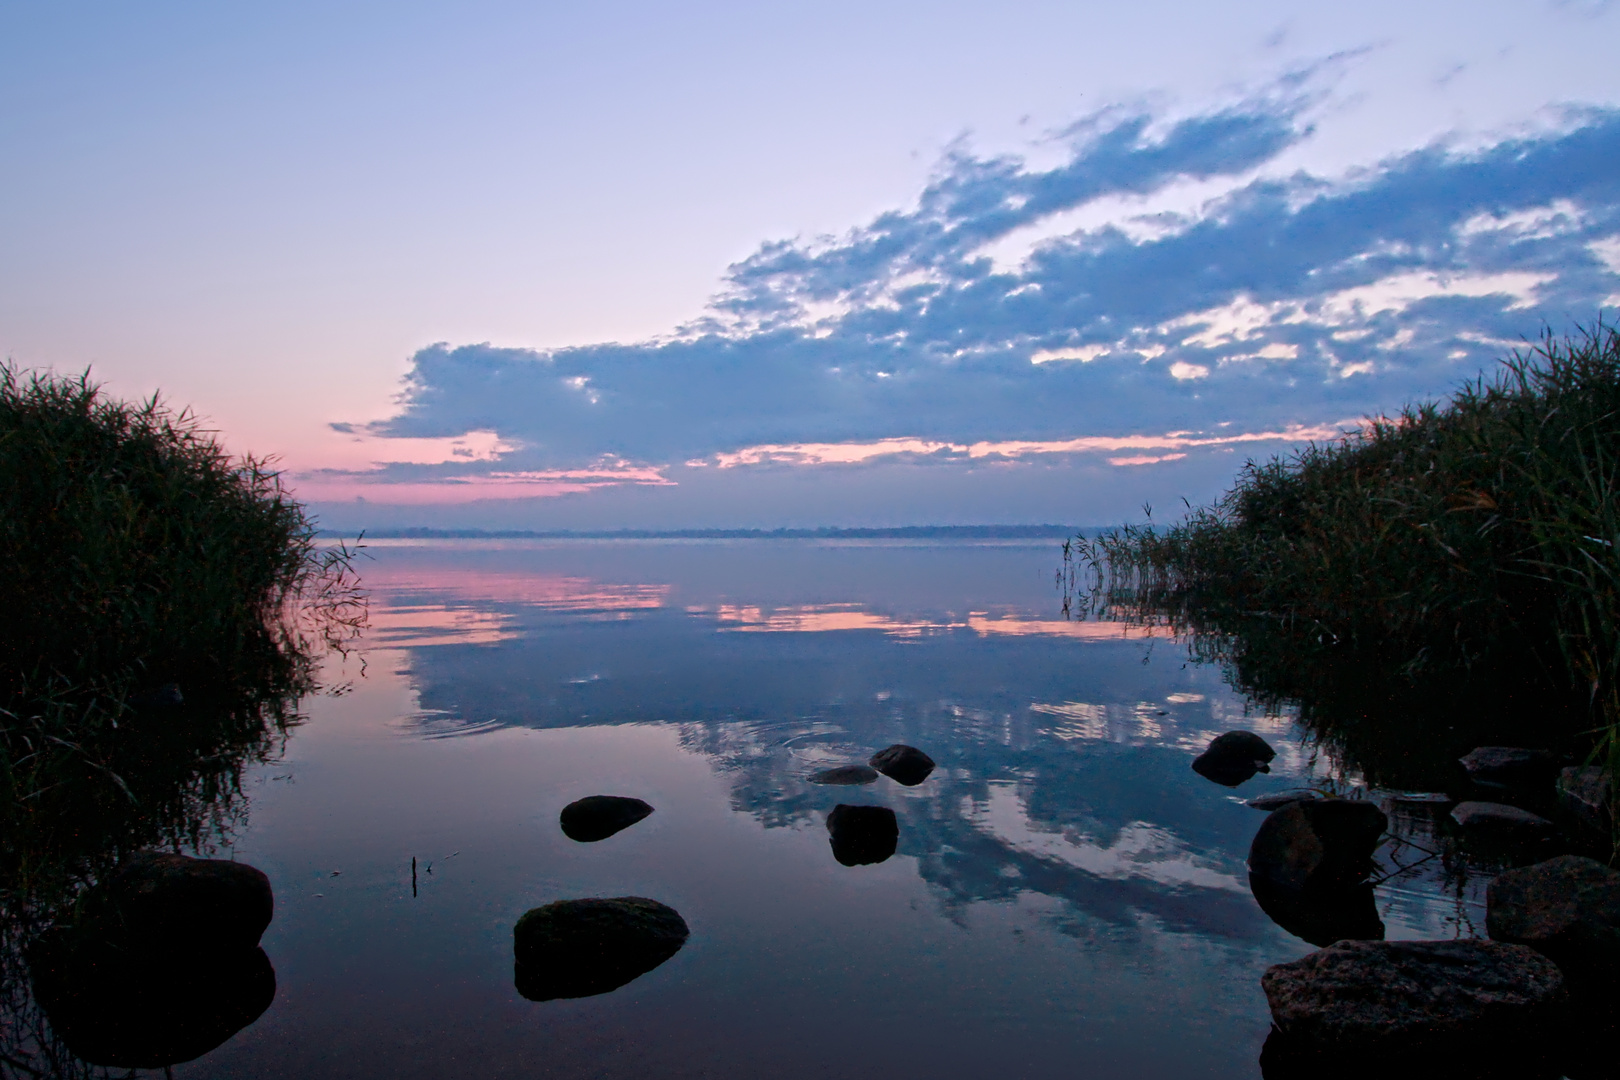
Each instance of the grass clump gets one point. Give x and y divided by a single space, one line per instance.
1469 550
137 554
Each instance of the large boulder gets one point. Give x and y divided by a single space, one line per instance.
1567 909
903 764
1509 767
173 903
863 835
160 963
1450 999
845 775
1318 846
121 1006
597 817
1583 792
579 948
1234 757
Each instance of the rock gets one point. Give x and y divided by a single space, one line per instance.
597 817
903 764
1499 818
1320 846
1321 916
863 835
124 1006
1583 792
845 774
1278 800
1509 767
1472 998
1567 909
173 903
1234 757
579 948
161 962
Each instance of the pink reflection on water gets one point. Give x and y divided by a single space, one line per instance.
815 618
554 592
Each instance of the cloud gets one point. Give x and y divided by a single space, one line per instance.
1284 303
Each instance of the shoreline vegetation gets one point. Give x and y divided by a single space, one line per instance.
165 605
1440 579
906 532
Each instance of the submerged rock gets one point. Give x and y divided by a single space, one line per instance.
1321 916
863 835
579 948
1509 767
903 764
1499 817
1567 909
1469 999
845 775
1319 846
1234 757
1583 792
118 1006
597 817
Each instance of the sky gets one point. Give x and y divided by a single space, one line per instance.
733 265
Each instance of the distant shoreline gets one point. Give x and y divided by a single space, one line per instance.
909 532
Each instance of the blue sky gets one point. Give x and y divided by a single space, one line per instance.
511 265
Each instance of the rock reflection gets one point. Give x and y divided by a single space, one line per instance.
863 835
1322 917
131 1009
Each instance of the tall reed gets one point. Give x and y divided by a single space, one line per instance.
1454 543
138 553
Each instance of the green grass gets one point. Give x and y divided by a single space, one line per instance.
1455 563
137 552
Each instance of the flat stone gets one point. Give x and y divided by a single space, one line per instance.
597 817
1278 800
845 775
1421 798
1583 792
1509 766
903 764
863 835
580 948
1318 845
1567 909
1499 817
1393 997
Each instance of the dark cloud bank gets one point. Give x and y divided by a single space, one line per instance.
1289 300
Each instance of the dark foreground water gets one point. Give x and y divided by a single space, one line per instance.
1067 899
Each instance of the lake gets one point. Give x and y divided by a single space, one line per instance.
1067 897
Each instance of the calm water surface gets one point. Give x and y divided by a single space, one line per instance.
1068 898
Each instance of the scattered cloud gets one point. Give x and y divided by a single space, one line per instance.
1268 309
